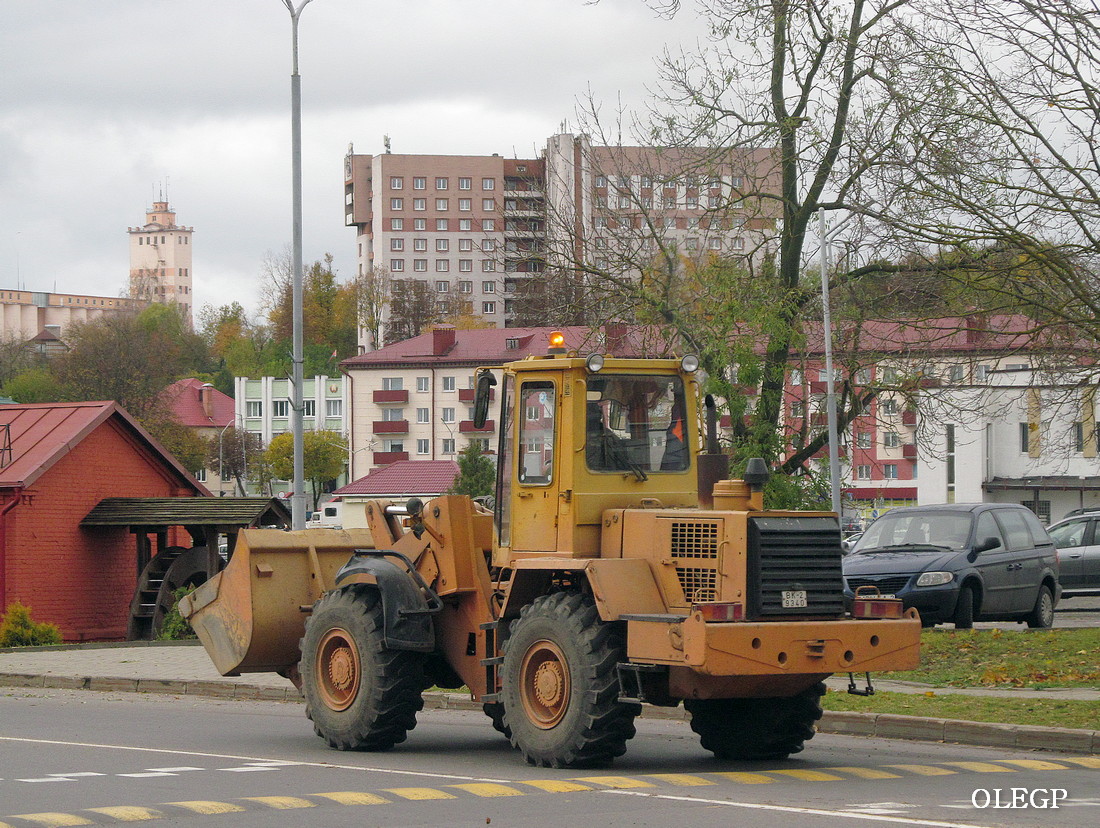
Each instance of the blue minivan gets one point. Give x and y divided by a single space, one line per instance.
959 563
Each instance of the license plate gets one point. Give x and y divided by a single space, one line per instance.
794 598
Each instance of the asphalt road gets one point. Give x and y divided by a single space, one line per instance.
79 758
1069 613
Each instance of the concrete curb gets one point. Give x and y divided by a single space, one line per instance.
882 725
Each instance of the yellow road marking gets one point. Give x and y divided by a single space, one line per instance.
128 813
354 798
683 779
208 808
1033 764
981 767
924 770
616 781
54 820
809 775
1087 761
556 785
487 789
868 773
420 793
282 803
746 778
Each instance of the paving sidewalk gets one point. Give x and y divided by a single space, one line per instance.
183 668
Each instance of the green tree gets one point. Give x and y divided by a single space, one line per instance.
476 473
324 455
241 455
34 385
184 444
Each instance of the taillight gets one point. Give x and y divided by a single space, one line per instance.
720 612
869 604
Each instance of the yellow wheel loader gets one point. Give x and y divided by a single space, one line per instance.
613 568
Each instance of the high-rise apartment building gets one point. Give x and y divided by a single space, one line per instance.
476 231
160 259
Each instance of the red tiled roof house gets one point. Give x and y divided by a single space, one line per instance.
57 461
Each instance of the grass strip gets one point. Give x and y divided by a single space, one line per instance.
1007 658
1071 713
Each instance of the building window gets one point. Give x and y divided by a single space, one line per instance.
420 265
393 384
394 445
397 265
863 439
423 415
397 244
466 225
420 204
463 183
465 287
397 224
1079 437
448 415
890 376
419 183
863 472
488 204
890 471
889 405
423 446
441 183
957 373
309 408
442 245
796 377
465 205
200 475
488 287
863 376
441 224
1025 437
449 384
448 446
488 307
396 182
422 383
890 439
397 204
488 245
393 415
441 204
798 409
334 408
488 265
442 286
420 245
442 265
420 224
466 266
488 184
280 408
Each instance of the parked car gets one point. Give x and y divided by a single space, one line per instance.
1084 510
849 543
960 562
1078 542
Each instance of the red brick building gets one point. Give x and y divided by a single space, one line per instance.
57 461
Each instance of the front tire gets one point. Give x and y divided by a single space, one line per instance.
560 685
1042 616
756 728
964 609
359 694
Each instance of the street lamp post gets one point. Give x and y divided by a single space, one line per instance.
830 388
221 460
298 496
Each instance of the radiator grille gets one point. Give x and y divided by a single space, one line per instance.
795 554
699 585
886 584
694 539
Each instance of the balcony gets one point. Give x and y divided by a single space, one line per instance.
391 427
909 451
384 458
386 397
909 418
468 395
468 427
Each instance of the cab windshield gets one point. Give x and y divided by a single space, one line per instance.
636 423
948 530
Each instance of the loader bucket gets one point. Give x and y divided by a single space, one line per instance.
252 614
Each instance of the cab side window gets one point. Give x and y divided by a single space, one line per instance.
1069 534
988 528
1016 533
536 412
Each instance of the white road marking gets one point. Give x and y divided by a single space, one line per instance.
145 774
183 769
48 779
394 771
790 809
79 773
248 769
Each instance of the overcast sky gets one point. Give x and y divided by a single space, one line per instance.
106 105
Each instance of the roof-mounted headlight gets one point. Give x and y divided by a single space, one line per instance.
594 363
689 364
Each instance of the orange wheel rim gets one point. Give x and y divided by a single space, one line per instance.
338 669
545 684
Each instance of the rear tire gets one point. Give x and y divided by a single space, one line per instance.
1042 616
964 609
756 728
360 695
561 687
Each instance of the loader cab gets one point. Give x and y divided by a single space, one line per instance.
578 437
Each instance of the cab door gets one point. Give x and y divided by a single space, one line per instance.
536 469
